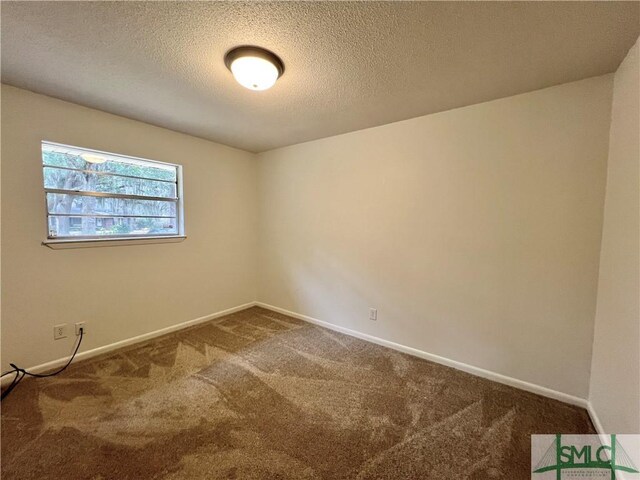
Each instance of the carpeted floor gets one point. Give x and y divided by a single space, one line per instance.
258 395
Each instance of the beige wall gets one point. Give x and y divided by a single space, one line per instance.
119 291
474 232
615 372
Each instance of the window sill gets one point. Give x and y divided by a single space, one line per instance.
110 242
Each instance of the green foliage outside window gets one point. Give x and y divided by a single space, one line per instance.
105 215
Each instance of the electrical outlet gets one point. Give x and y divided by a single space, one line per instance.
373 314
80 325
60 331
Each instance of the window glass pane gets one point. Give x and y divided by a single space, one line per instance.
111 164
107 209
62 160
81 204
95 182
63 226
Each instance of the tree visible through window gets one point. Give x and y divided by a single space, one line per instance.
92 194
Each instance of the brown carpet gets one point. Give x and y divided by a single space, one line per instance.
259 395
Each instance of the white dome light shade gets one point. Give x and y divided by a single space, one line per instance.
88 157
253 67
254 73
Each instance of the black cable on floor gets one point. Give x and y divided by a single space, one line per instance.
21 372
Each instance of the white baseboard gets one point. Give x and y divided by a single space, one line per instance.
594 419
129 341
480 372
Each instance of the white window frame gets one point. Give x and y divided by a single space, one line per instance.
103 241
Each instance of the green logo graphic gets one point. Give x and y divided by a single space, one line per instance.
610 457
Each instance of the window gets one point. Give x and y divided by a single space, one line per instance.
92 195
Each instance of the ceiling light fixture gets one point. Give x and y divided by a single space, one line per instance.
88 157
253 67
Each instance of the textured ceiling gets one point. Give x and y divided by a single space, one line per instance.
348 65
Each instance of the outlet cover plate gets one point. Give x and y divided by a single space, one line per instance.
60 331
82 325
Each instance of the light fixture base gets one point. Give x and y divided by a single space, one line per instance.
253 51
